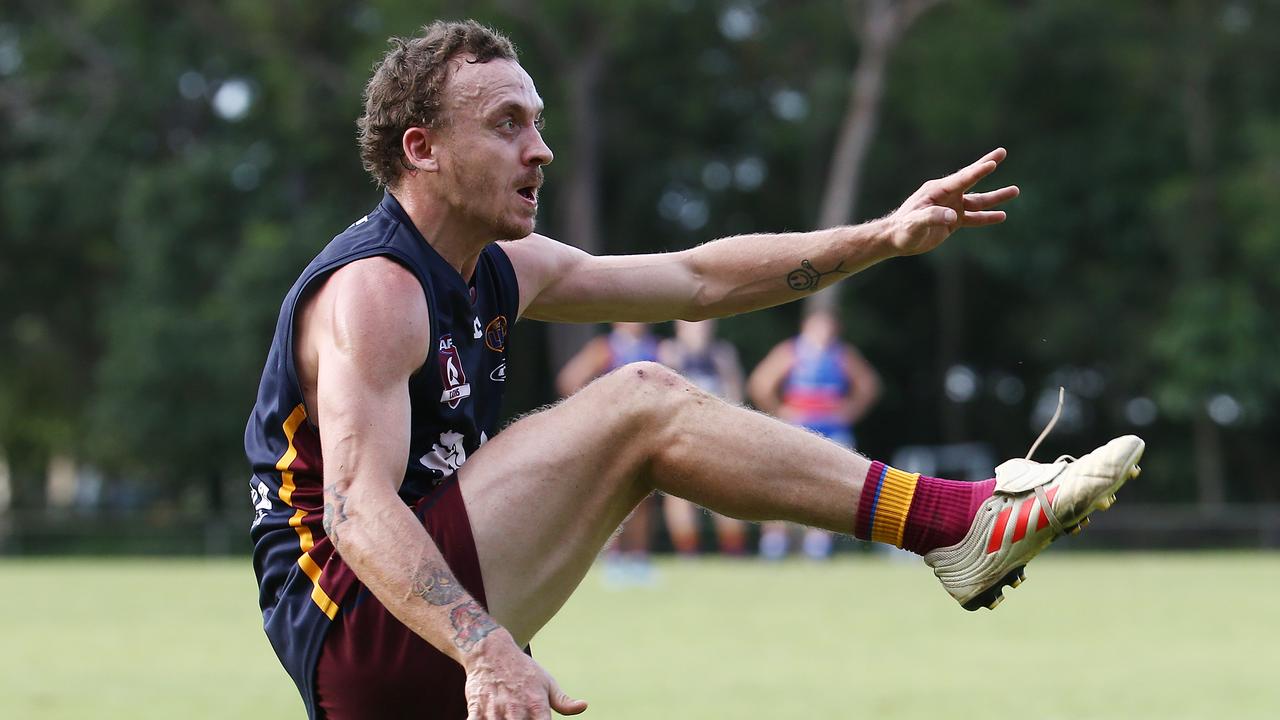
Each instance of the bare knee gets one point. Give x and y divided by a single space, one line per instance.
658 401
642 382
650 394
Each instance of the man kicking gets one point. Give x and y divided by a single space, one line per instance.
406 551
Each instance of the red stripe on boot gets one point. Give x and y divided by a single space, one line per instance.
997 533
1024 515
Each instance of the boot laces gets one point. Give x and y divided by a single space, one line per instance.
1057 413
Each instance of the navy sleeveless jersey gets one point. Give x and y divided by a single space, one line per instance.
455 398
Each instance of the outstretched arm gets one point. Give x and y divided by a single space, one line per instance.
367 331
746 272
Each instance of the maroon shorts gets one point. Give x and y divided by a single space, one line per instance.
371 665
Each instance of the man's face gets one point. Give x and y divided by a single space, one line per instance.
492 149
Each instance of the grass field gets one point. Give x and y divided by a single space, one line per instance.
1088 636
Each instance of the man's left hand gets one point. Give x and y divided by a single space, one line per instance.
942 206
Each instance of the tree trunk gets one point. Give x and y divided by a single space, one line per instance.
877 33
879 27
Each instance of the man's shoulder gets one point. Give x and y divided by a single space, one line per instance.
376 303
375 279
374 225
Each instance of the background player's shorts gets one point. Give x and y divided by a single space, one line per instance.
372 666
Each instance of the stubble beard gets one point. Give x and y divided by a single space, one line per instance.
495 220
515 232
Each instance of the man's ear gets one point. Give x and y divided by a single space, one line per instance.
421 150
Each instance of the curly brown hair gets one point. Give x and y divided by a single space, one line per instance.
407 88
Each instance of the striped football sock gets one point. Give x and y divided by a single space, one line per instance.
915 512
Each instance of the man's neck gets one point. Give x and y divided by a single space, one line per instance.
460 246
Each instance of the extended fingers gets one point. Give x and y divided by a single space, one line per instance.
967 177
983 201
986 217
996 156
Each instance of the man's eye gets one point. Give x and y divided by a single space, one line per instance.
508 125
540 123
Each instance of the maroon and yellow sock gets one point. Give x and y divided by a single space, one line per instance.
916 512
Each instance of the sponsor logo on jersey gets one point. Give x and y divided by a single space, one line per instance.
495 335
499 373
452 376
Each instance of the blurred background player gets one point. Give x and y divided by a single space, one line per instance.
712 365
627 560
817 382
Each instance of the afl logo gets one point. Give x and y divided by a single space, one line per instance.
495 334
452 377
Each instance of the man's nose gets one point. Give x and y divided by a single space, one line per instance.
538 152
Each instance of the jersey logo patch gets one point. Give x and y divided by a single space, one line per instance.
495 335
261 498
447 455
476 332
499 373
452 376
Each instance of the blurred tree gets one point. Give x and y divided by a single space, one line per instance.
879 25
63 95
1215 343
168 170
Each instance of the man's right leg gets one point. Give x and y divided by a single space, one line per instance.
545 494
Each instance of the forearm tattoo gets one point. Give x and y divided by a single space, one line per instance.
335 512
805 277
436 585
472 624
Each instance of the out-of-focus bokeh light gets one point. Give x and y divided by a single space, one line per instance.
1141 411
1224 409
233 99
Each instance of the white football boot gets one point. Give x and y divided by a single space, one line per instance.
1034 504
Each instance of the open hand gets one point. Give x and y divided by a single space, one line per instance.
505 684
941 206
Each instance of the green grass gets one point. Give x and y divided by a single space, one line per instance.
1088 636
